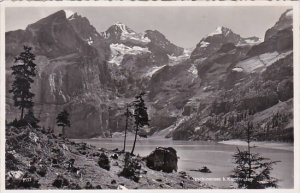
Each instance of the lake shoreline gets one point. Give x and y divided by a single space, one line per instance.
260 144
196 154
288 146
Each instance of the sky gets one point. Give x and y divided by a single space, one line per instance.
183 26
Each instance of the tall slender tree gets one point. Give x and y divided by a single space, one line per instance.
62 120
24 70
128 114
252 170
140 115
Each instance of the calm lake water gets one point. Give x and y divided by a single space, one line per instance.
217 157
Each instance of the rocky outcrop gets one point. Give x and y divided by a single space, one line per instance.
163 159
277 38
285 21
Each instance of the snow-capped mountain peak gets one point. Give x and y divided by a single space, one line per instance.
120 32
289 13
220 30
123 27
69 13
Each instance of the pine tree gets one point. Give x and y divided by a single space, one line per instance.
140 115
252 170
23 71
62 120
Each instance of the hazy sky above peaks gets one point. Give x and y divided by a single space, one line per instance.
183 26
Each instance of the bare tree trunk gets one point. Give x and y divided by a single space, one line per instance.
22 113
249 150
22 109
126 125
136 130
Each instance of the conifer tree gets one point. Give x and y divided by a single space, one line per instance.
140 116
62 120
24 70
252 170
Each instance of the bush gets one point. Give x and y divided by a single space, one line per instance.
131 168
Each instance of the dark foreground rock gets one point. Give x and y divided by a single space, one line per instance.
104 162
163 159
58 163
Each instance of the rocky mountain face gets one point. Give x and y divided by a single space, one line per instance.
244 83
215 40
72 74
208 93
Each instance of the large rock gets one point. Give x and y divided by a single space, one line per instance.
163 159
104 162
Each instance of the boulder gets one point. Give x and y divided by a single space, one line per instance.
16 175
60 182
89 186
104 162
114 156
163 159
74 186
113 182
205 170
41 170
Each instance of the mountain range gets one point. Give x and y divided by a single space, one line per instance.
208 93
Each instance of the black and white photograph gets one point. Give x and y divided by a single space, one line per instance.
149 96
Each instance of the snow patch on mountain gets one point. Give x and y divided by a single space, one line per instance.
69 13
52 83
90 41
238 69
260 62
249 41
173 60
193 70
153 70
135 37
127 34
204 44
216 32
119 50
122 27
289 13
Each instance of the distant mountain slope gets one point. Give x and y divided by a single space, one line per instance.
244 83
